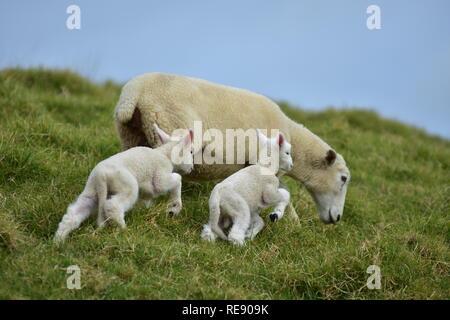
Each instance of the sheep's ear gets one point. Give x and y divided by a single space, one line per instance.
330 157
162 135
281 139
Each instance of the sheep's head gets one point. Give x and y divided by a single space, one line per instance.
327 182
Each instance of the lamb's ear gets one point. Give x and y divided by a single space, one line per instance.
188 138
261 136
281 139
330 157
162 135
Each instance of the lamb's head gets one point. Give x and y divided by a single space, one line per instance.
285 157
278 149
179 148
327 183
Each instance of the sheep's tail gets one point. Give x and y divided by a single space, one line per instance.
214 214
128 117
127 102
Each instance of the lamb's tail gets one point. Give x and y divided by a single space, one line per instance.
214 214
77 212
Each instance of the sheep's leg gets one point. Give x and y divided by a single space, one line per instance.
256 225
171 183
77 212
125 196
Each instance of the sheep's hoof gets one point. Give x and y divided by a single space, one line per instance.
273 217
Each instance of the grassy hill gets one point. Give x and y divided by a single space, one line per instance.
55 126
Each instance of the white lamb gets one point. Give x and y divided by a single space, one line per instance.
241 196
115 184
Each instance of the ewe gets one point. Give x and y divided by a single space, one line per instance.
241 196
175 101
115 184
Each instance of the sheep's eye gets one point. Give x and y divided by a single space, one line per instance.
344 179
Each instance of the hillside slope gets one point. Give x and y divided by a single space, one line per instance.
55 126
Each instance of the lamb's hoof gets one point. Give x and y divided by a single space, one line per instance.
174 208
207 234
236 241
273 217
58 240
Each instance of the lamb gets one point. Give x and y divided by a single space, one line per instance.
115 184
175 101
241 196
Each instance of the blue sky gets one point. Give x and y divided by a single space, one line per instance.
311 53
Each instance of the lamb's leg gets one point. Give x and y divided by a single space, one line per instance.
278 196
77 212
292 210
148 203
126 192
207 234
256 225
240 214
171 183
146 194
280 207
224 221
175 205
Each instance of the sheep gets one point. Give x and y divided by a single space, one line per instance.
115 184
241 196
175 101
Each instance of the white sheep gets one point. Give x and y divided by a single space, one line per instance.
241 196
115 184
175 101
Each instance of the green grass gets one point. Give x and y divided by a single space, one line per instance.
55 126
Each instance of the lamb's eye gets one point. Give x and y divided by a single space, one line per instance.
344 179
